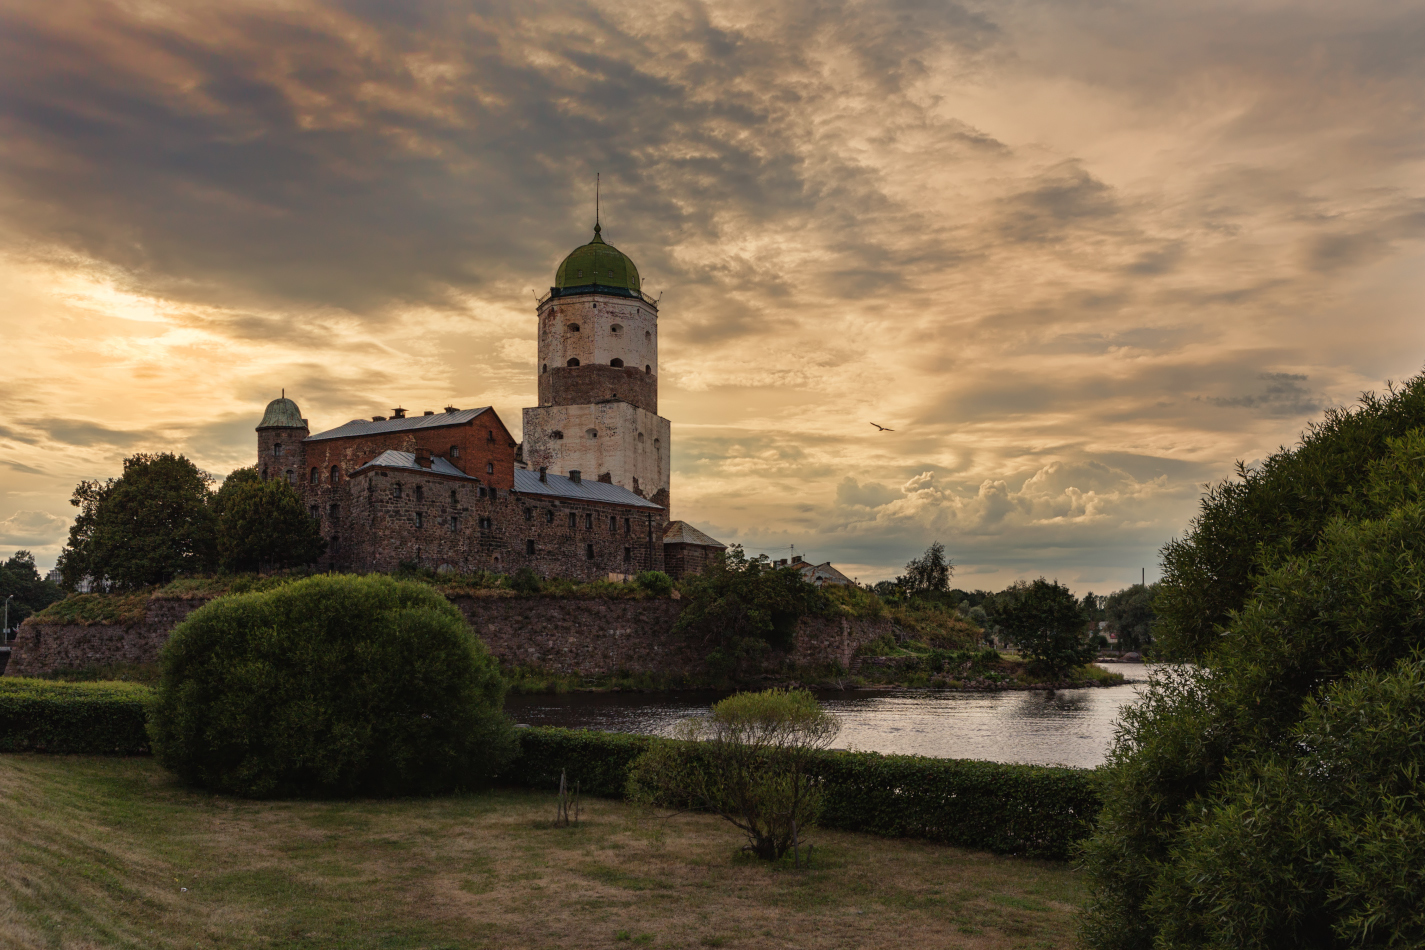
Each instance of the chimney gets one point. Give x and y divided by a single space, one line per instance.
398 413
430 412
423 458
543 476
796 558
378 418
575 475
451 409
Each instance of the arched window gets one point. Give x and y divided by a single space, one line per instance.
613 525
455 451
420 493
264 473
616 328
489 468
573 328
640 436
616 362
556 434
573 361
396 490
336 475
291 477
647 335
657 443
420 518
454 498
591 433
544 368
648 369
277 450
316 476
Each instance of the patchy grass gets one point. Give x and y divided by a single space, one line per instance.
113 853
88 610
147 673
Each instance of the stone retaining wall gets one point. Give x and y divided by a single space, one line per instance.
560 635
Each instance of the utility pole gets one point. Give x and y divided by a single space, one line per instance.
1143 577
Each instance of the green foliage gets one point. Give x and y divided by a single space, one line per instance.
88 610
332 685
1046 624
146 527
743 607
928 574
262 525
1278 510
655 582
748 761
90 718
1008 809
192 588
1259 731
525 581
1129 613
33 593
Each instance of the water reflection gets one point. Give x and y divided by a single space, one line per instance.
1069 727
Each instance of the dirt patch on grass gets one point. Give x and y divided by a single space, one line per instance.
99 852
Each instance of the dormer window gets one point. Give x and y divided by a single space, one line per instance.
578 273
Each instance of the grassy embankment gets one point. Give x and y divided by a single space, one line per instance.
98 853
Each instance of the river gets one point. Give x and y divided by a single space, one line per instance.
1070 727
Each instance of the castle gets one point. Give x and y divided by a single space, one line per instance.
587 493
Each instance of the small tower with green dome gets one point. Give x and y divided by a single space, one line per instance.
279 440
598 375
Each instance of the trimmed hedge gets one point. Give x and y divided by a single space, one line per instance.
1007 809
91 718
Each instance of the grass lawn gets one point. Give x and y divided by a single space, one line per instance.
98 852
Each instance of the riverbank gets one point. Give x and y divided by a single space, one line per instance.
112 852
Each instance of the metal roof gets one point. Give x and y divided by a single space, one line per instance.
680 532
528 483
365 427
393 459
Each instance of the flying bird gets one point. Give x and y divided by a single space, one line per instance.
882 428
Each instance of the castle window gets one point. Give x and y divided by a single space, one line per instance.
454 524
640 436
277 450
396 490
627 555
454 498
291 477
315 512
648 369
336 475
573 328
578 273
592 433
615 362
333 512
487 523
529 547
647 335
544 368
529 514
549 516
489 468
420 520
315 477
613 525
455 451
573 521
615 328
573 361
588 552
482 491
264 473
588 520
556 434
626 526
657 443
611 273
489 435
420 493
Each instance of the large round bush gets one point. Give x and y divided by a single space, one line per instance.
333 685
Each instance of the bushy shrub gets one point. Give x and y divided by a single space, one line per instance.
332 685
92 718
748 761
526 581
1047 625
654 582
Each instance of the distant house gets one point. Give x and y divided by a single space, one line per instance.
686 550
818 574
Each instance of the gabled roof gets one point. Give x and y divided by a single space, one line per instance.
393 459
680 532
364 427
528 483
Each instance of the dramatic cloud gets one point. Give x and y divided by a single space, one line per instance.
1079 257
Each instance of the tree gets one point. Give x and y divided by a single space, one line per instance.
1046 624
744 606
1268 795
929 574
151 524
748 762
33 593
1129 613
262 524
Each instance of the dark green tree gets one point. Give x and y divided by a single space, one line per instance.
33 593
744 606
262 525
1129 613
148 526
928 575
1047 626
1269 795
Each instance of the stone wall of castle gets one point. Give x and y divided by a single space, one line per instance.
581 385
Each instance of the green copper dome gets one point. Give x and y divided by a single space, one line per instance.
282 414
597 264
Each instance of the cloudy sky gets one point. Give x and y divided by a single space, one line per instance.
1080 256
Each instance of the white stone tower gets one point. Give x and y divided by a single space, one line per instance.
598 376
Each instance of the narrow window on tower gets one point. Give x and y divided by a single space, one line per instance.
291 477
335 475
277 450
549 516
454 524
613 525
315 476
489 468
627 555
420 520
529 514
588 521
420 493
529 547
573 521
454 498
648 370
626 526
455 451
588 552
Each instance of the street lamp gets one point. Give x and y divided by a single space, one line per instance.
7 618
